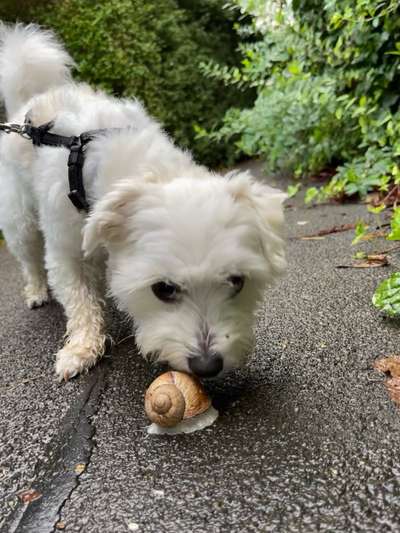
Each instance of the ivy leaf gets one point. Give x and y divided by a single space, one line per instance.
394 235
292 190
294 68
311 195
387 295
359 232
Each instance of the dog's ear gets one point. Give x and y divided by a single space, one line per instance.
266 205
108 224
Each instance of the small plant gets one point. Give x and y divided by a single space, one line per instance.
292 190
387 295
311 194
394 234
359 232
327 76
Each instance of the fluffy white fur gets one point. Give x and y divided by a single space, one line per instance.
155 216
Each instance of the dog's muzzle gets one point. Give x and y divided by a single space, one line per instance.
206 365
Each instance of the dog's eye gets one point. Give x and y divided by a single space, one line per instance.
166 291
237 283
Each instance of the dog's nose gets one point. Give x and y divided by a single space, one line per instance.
206 366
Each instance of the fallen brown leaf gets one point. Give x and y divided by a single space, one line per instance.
391 367
329 231
393 388
29 495
373 235
370 261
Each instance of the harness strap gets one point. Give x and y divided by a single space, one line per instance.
76 159
41 136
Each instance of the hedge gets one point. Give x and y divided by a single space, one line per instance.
150 50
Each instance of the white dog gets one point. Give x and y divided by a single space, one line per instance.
189 253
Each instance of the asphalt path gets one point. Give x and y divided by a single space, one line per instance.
307 440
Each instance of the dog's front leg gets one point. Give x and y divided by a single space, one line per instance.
77 285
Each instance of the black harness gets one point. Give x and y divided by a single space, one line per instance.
41 136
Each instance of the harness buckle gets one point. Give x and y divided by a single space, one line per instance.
75 153
78 201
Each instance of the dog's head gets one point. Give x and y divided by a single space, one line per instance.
190 259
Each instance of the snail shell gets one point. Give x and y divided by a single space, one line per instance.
173 397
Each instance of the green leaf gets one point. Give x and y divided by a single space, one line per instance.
359 232
360 255
387 295
311 195
294 68
339 113
394 234
363 101
377 209
292 190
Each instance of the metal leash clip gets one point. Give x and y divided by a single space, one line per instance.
9 127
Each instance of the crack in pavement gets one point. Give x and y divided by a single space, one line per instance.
56 478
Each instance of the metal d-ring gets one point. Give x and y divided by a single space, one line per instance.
9 127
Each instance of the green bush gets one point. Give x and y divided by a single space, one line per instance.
327 79
327 76
150 50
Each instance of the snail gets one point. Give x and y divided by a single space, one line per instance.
176 402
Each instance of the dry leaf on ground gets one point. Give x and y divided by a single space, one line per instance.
393 388
369 261
372 260
373 235
391 367
29 495
329 231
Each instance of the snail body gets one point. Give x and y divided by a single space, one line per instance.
173 399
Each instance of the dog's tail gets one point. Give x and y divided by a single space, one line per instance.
31 62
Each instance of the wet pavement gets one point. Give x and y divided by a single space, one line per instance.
307 440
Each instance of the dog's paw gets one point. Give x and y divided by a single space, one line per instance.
75 358
36 297
68 364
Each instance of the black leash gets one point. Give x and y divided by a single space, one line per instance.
40 135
